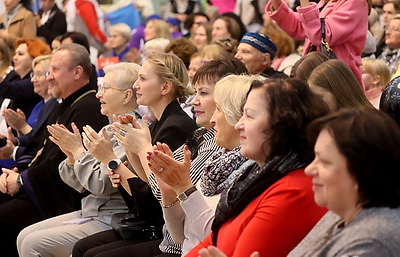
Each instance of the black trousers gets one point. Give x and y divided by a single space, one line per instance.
109 244
16 213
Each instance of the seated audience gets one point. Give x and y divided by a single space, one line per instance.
86 170
202 35
33 191
197 206
161 85
272 198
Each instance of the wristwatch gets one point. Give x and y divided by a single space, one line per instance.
113 164
185 195
19 181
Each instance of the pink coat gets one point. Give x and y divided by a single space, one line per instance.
346 27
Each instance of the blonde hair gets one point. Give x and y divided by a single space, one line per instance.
122 29
43 60
126 73
161 28
377 68
159 43
169 67
230 92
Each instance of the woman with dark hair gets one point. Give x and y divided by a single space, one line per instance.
272 200
355 175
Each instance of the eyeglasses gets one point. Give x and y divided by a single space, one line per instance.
102 87
39 74
393 28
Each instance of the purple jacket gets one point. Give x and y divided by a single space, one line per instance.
346 27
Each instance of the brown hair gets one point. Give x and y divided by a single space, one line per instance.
336 77
370 142
183 48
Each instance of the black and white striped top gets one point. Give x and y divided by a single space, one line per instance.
205 151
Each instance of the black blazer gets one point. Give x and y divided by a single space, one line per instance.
55 25
173 128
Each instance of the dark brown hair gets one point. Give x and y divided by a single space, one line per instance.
292 106
370 141
214 70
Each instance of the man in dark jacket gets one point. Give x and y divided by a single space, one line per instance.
36 192
50 21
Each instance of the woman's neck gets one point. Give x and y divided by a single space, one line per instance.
350 214
158 108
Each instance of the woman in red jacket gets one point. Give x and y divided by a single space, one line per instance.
270 208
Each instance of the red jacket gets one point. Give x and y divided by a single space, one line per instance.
273 223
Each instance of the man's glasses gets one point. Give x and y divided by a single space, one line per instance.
39 74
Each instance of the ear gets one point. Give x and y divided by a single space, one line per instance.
377 80
167 88
78 73
266 60
128 94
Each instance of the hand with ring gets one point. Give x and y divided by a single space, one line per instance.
133 138
174 173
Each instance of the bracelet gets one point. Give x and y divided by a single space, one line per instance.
170 205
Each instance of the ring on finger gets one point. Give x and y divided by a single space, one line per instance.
160 170
122 132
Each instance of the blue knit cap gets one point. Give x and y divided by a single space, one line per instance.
260 42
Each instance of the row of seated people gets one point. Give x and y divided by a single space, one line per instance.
161 85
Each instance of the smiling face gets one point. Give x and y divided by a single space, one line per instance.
225 134
113 97
40 84
203 104
252 126
61 76
333 186
22 60
148 86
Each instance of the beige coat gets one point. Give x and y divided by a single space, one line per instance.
22 25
